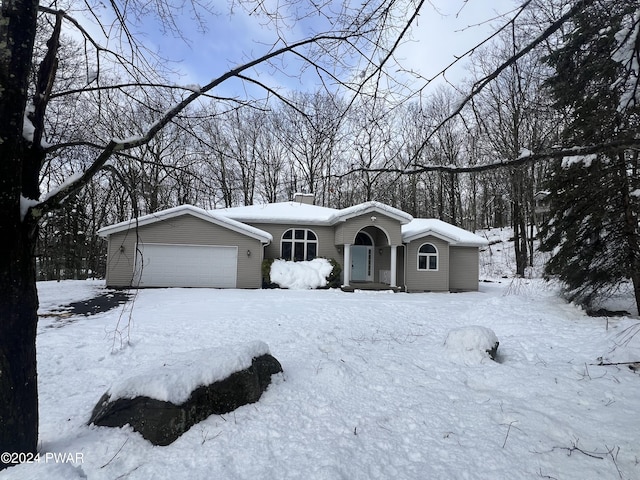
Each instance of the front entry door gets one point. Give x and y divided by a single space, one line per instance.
361 263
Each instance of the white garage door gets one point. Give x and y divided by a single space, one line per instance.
163 265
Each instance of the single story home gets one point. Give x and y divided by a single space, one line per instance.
187 246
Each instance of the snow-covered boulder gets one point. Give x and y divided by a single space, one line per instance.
164 401
472 345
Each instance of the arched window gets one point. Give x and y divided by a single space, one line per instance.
363 238
427 257
299 244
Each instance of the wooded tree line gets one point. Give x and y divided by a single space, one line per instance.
222 154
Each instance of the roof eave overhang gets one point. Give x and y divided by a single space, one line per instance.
427 233
450 240
282 221
470 244
228 223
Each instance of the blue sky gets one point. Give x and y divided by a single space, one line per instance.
445 28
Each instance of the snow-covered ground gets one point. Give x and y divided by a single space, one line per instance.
369 390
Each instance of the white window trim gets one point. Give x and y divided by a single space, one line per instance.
428 255
293 241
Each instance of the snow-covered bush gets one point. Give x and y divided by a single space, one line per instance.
266 274
301 275
334 279
471 345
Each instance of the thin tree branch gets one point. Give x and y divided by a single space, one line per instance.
121 86
118 145
481 84
549 154
443 72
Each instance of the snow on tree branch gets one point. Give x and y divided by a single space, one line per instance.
525 157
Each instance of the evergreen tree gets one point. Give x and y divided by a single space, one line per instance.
587 230
593 233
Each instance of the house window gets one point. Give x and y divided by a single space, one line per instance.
363 239
428 257
299 244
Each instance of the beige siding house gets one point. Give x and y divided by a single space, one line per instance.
379 245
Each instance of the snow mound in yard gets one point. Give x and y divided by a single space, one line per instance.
470 345
301 275
174 377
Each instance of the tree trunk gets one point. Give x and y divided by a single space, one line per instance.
630 229
519 222
18 297
440 197
18 321
453 219
18 305
523 258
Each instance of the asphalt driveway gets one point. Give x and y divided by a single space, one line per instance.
98 304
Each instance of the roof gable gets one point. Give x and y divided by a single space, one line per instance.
210 217
372 207
455 236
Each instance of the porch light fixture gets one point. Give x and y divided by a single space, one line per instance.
380 251
373 218
121 248
248 253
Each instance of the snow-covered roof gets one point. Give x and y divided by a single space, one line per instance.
456 236
296 213
208 216
302 213
282 212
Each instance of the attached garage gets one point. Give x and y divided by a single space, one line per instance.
184 247
167 265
